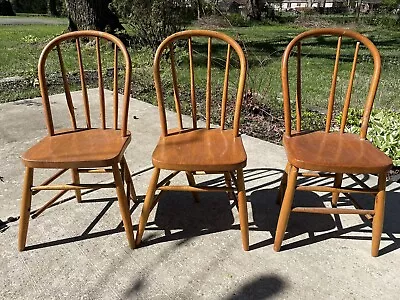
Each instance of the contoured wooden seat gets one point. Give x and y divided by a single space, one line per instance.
193 149
87 148
331 152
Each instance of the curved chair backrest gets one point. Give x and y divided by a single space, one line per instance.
94 51
225 62
344 35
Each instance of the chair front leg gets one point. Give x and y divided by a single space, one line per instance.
377 222
242 205
123 206
147 205
129 182
25 208
286 208
76 180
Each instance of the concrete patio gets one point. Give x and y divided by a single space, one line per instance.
190 250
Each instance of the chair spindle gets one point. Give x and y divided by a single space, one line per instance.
67 89
349 90
208 88
225 90
101 85
83 84
115 87
298 88
176 90
333 87
192 84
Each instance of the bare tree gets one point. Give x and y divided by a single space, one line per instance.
254 9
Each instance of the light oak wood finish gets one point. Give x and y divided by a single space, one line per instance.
82 150
329 153
198 150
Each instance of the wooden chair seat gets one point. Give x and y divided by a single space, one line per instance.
335 152
200 149
87 148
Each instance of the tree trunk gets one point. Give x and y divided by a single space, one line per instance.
91 14
53 8
253 6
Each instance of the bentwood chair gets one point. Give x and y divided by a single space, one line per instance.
334 151
192 149
89 145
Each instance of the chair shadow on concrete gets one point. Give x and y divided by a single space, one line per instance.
87 234
322 227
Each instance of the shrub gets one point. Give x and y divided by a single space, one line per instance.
383 130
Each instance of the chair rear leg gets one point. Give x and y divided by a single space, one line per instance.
76 180
228 182
283 185
336 184
377 222
129 181
25 208
192 182
243 215
123 206
147 205
286 208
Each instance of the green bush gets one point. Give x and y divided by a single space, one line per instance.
237 20
383 130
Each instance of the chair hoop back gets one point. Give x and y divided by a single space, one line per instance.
296 43
98 36
168 44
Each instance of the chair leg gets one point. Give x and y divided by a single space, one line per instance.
377 222
192 182
228 182
336 184
129 181
76 180
147 205
25 208
243 215
283 185
286 208
123 206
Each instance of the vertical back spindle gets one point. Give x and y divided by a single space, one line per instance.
83 85
298 88
192 85
66 89
225 89
333 87
115 87
101 85
349 90
208 88
176 90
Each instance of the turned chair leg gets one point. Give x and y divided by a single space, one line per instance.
336 184
228 182
25 208
123 206
76 180
286 208
283 185
147 205
242 205
377 222
192 182
131 193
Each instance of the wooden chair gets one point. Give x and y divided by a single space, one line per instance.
329 153
192 149
87 148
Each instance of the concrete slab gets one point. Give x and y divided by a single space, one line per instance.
190 250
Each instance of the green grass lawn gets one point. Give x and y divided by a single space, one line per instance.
20 47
